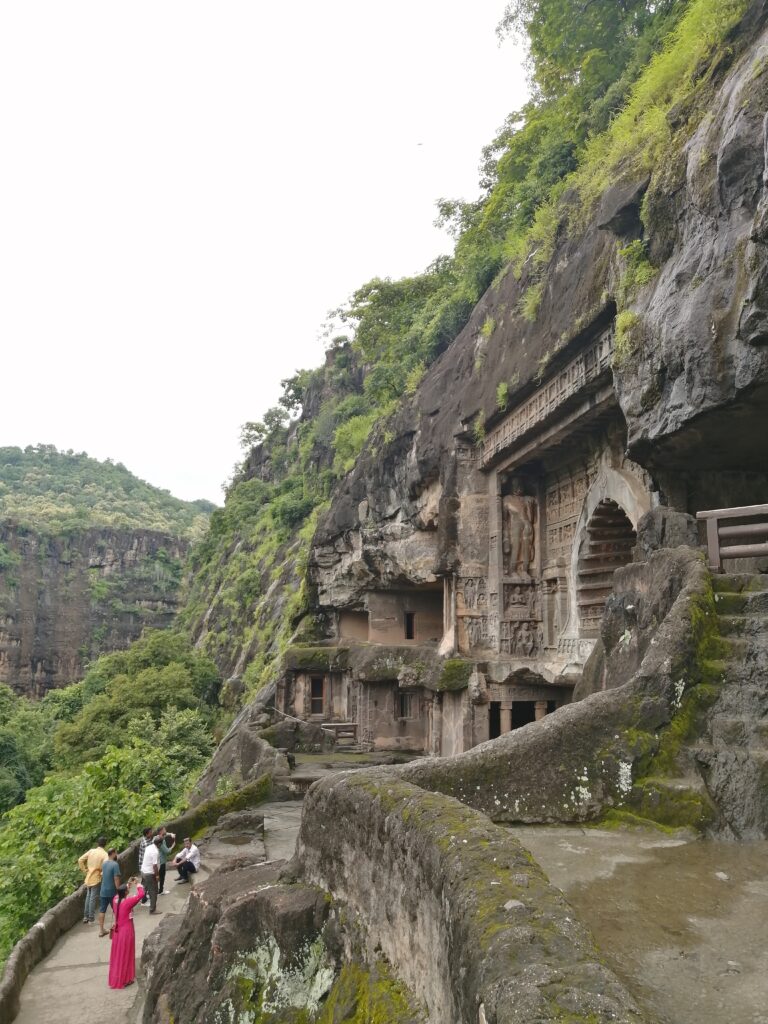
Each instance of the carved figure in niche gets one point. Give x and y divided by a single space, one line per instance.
469 592
526 646
482 599
518 540
474 631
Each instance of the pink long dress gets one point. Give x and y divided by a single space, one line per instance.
122 956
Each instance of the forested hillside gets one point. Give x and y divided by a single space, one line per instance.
47 490
89 556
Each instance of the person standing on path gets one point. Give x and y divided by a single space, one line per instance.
90 864
110 883
146 839
150 872
122 955
168 843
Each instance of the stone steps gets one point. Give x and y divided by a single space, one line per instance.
743 625
736 583
732 755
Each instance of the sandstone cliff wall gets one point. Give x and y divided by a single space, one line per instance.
66 599
691 382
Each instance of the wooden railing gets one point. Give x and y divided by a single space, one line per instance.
345 733
726 539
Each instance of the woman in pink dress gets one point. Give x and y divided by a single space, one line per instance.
122 956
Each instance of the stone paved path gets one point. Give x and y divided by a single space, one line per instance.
70 985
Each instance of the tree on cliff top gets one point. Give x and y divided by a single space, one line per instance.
578 42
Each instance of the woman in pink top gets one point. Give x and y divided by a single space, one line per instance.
122 956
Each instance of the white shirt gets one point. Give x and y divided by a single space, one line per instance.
192 854
151 860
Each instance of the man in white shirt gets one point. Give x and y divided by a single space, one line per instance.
150 870
187 862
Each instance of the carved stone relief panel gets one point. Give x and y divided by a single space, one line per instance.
564 499
521 601
585 369
473 591
521 639
473 540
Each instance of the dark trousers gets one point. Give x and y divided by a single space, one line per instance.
150 884
187 868
161 878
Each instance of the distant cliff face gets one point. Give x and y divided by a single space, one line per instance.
66 599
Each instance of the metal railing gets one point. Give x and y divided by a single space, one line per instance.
737 540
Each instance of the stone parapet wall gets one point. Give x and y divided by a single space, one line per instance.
468 922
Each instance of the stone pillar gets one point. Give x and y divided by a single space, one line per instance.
540 709
506 716
495 560
436 725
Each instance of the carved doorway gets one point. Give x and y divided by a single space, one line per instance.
607 545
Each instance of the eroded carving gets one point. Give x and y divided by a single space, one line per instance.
584 369
518 511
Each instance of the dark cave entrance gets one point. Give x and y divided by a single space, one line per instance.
523 712
494 720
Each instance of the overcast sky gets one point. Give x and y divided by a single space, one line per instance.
187 188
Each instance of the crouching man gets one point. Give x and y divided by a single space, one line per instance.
187 862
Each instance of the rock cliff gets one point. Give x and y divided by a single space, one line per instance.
66 599
516 502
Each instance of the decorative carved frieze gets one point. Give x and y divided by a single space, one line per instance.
564 499
584 369
576 648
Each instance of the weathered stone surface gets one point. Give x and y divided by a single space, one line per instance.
664 527
73 597
216 914
461 913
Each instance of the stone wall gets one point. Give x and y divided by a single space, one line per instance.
467 921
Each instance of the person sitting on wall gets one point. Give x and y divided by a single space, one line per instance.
187 862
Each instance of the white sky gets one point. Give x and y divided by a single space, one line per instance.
187 188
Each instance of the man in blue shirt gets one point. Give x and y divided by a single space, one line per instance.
110 880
